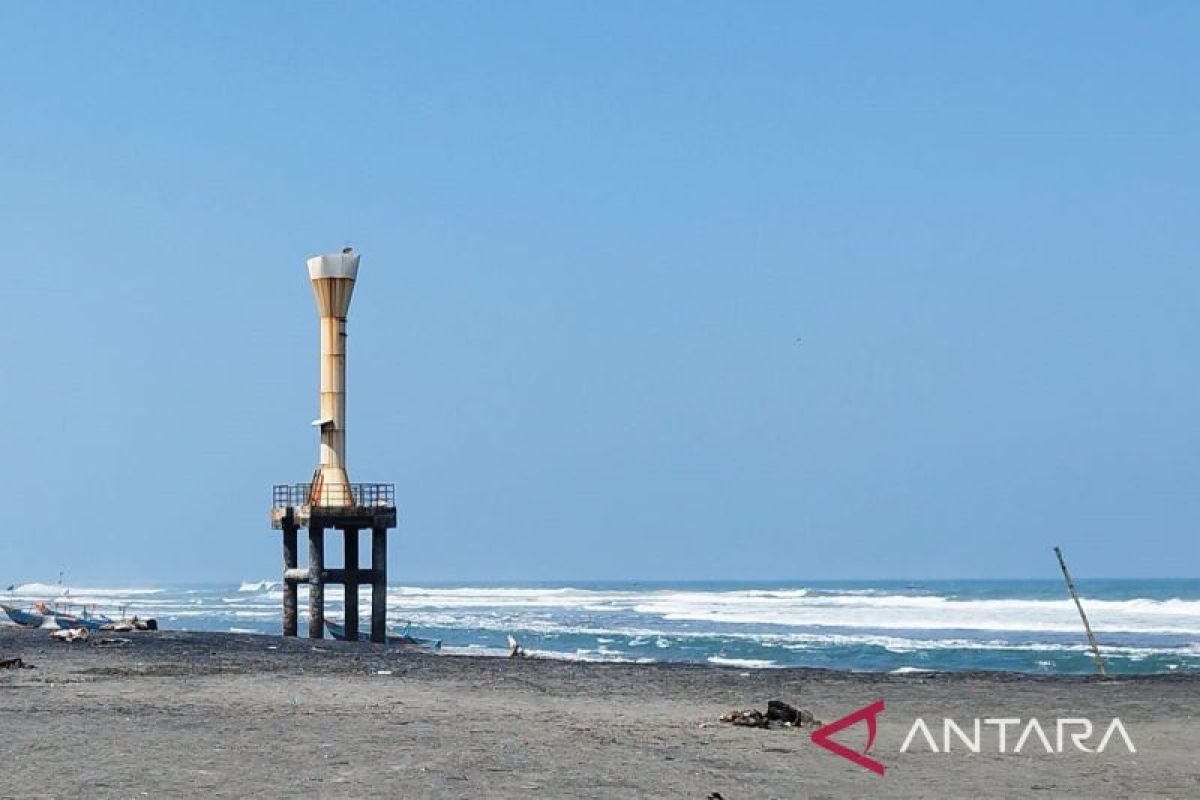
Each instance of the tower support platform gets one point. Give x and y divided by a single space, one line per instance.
367 507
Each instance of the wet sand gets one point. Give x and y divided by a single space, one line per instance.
229 715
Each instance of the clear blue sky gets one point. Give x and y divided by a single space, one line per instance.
592 234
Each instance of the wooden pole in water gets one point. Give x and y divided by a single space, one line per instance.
1075 596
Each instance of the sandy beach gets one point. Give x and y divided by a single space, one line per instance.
227 715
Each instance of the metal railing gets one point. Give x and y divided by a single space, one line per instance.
354 495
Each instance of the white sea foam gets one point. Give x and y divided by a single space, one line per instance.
652 631
750 663
797 608
475 650
587 655
802 608
49 591
257 586
896 612
906 612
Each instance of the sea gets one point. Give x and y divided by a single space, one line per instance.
1029 626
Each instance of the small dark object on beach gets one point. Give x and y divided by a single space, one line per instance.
715 796
779 711
750 718
14 663
783 712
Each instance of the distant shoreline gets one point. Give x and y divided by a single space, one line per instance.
257 651
1031 627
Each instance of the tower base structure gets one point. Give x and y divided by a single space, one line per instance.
369 507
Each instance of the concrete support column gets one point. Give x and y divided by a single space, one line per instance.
379 585
289 587
316 580
351 584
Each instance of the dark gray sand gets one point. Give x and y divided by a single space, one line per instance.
227 715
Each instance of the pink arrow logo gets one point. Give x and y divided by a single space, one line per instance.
821 736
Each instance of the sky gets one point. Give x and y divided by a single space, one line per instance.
785 291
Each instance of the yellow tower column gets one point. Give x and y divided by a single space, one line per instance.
333 279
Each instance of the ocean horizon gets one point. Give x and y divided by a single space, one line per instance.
1144 626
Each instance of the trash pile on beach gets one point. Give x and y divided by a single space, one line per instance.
779 714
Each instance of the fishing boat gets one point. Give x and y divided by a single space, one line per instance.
26 619
338 631
92 622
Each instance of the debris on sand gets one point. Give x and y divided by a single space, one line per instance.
134 624
14 663
113 641
70 635
779 713
514 648
750 718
